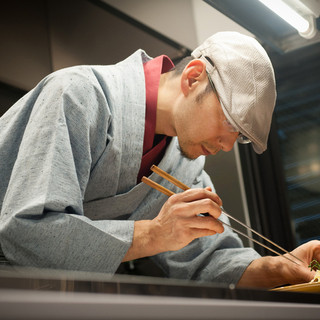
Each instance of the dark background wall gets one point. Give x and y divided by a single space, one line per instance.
41 36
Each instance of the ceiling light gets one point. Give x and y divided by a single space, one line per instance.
305 25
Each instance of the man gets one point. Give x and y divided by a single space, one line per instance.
73 151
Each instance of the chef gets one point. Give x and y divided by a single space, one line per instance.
73 151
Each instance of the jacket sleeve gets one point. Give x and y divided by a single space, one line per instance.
48 149
220 258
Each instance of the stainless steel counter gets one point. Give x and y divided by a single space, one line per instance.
45 294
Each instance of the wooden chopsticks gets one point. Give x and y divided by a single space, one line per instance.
184 187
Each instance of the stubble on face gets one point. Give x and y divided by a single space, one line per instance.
185 153
184 148
187 145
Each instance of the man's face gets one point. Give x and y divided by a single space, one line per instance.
201 127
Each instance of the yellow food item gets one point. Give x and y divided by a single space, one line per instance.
316 277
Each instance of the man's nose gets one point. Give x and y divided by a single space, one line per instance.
228 145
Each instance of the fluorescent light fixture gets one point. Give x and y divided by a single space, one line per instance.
304 25
287 14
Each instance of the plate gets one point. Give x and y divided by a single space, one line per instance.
313 287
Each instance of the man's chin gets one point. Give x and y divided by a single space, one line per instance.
186 154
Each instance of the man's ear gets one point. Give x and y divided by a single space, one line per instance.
192 75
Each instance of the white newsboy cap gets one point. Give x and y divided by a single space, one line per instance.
243 76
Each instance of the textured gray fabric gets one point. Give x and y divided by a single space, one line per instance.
70 152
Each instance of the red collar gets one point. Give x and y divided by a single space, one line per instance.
154 145
152 70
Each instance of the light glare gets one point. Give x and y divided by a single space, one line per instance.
287 14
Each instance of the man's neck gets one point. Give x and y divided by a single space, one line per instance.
167 91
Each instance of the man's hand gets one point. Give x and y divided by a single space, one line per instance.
275 271
177 224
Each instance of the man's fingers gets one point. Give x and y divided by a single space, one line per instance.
191 209
205 223
198 233
180 218
198 194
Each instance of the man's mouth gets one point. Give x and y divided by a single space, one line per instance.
213 151
205 151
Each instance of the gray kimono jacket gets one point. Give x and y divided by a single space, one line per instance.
70 152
